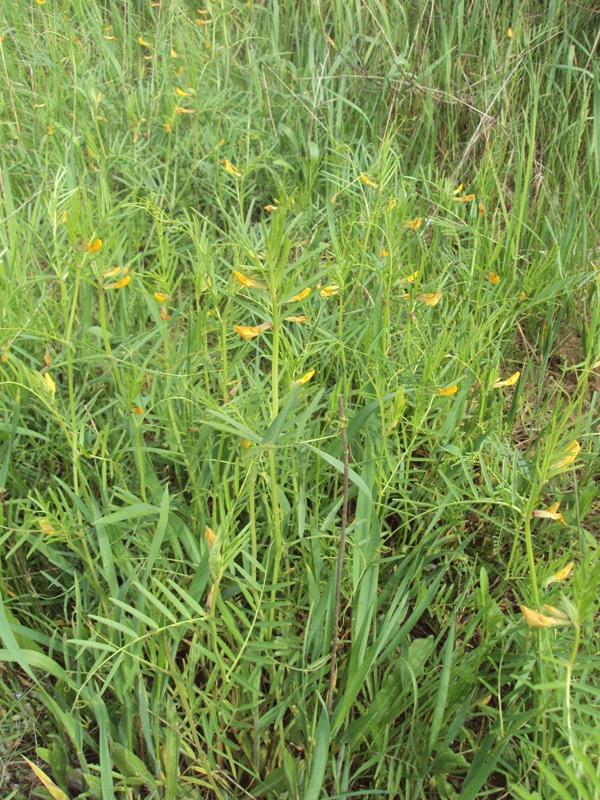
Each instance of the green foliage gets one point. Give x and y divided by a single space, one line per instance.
171 487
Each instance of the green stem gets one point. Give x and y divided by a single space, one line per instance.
275 356
106 340
529 547
70 320
276 524
275 510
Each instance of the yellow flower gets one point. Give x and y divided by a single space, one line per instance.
509 381
92 247
551 512
250 282
384 252
250 331
329 291
562 574
46 527
180 92
413 224
110 38
493 278
4 356
300 296
210 536
296 319
304 379
411 278
393 203
368 181
510 33
138 410
465 198
168 127
270 208
537 620
174 53
47 357
570 454
49 382
50 130
230 168
160 297
334 197
119 284
182 110
142 42
112 272
449 390
522 297
246 442
459 189
431 299
481 209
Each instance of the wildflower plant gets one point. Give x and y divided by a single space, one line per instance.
299 340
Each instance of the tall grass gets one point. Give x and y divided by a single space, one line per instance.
172 488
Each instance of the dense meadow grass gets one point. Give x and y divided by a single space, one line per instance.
299 374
